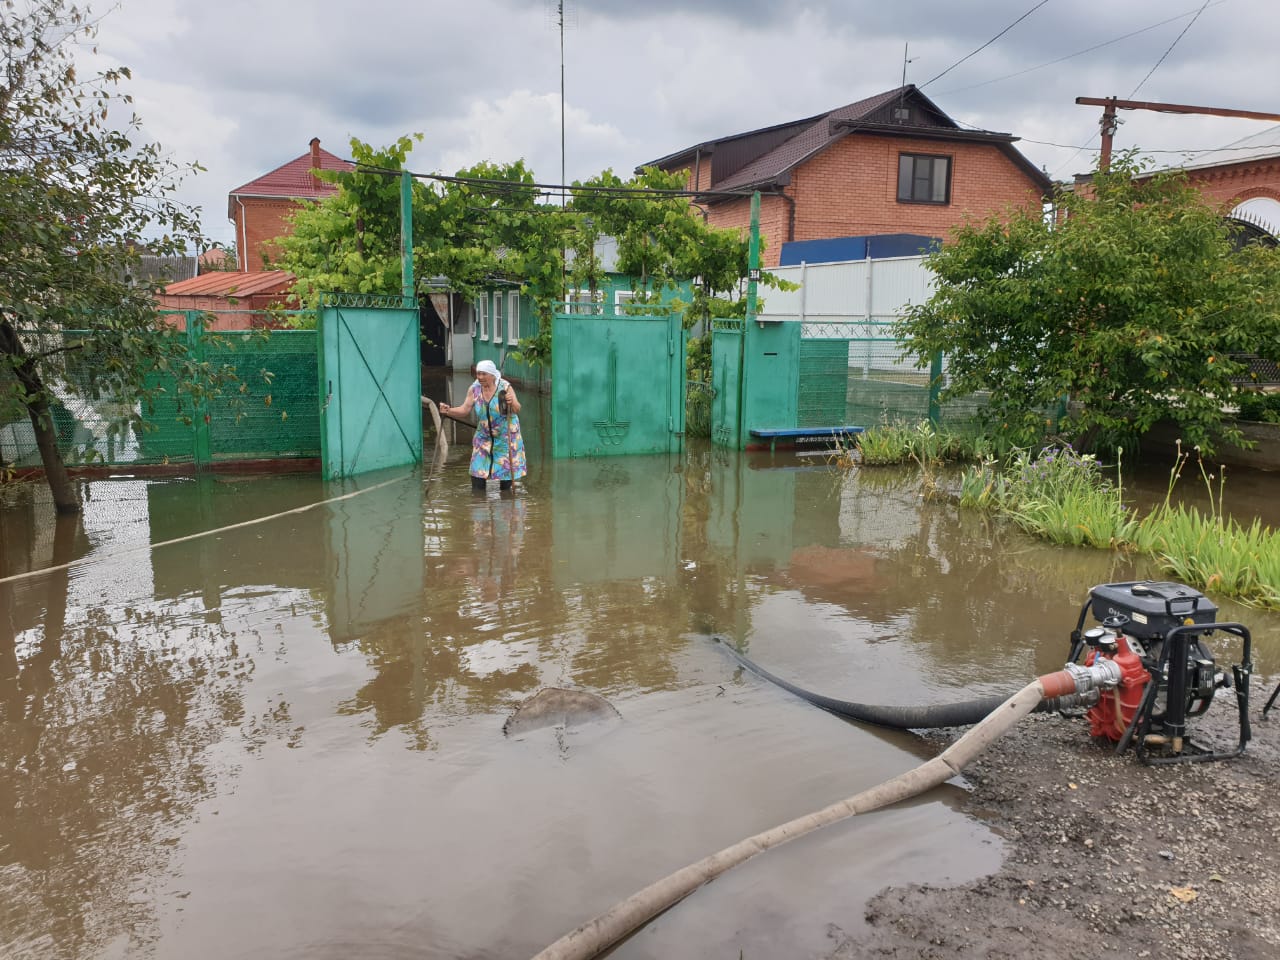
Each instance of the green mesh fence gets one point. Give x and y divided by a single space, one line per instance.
862 382
270 410
276 410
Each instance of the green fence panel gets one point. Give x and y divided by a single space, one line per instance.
824 377
270 409
276 410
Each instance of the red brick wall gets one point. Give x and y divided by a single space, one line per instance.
851 189
1238 182
258 222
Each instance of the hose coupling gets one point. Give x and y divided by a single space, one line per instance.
1073 701
1102 674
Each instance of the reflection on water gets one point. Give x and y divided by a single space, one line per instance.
285 738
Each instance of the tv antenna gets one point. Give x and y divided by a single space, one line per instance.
562 14
905 61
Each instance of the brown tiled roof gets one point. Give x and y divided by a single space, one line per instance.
224 284
814 134
293 180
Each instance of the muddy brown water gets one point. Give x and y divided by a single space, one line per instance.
285 739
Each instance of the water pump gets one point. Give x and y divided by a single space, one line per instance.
1154 632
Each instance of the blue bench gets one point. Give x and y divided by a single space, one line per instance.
773 435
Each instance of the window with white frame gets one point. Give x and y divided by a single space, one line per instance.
497 318
482 317
513 318
585 301
623 299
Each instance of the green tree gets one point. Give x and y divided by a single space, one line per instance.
1130 302
484 225
663 242
80 201
488 224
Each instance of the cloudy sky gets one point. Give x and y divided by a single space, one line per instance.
241 86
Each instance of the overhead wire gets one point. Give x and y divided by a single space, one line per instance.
554 188
1163 56
985 45
1080 53
1170 50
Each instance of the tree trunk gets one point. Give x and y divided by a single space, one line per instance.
55 471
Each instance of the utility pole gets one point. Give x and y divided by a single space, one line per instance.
1110 122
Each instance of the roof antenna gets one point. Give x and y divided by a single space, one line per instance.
905 61
560 13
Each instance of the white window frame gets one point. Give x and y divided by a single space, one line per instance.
482 316
497 317
513 318
622 299
583 298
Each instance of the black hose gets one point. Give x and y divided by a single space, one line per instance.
960 714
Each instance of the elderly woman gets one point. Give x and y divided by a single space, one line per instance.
497 452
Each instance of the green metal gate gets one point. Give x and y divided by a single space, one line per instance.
371 411
619 384
726 377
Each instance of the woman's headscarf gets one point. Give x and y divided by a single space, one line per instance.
489 367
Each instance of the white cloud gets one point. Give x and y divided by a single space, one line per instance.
243 85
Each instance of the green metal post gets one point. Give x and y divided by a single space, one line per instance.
406 235
753 257
753 280
201 449
935 388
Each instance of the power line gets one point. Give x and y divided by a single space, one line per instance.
554 189
1189 151
1202 9
1170 50
987 44
1078 53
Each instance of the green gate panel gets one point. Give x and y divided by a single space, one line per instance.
771 376
619 385
726 379
371 385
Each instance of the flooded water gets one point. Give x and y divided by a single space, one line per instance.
285 738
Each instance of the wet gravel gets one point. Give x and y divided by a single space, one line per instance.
1105 856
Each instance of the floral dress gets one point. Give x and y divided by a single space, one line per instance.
497 452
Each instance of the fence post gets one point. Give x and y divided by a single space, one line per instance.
200 405
935 388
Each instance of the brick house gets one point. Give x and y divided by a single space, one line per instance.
890 164
260 208
1243 179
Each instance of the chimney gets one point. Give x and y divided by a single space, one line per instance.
315 160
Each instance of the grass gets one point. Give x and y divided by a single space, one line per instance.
888 444
1067 498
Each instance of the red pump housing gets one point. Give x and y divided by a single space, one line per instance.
1114 711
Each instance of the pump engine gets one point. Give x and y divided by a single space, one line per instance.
1154 632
